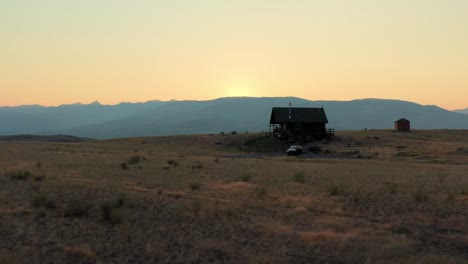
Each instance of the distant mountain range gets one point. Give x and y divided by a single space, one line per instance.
462 111
224 114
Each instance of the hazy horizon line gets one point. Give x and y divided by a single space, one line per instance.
97 102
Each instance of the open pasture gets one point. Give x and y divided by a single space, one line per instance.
367 197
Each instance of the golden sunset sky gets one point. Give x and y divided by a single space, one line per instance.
56 52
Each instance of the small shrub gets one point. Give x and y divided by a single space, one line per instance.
112 211
44 200
442 176
244 177
315 149
401 229
406 154
39 165
216 160
194 186
120 201
77 208
299 177
36 188
134 159
261 192
462 150
124 166
174 163
117 216
19 175
196 206
40 213
106 209
420 196
450 197
350 153
112 214
233 132
392 188
197 167
335 190
39 178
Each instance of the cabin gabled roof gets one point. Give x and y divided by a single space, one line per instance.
402 120
280 115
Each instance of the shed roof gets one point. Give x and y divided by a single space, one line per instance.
280 115
402 120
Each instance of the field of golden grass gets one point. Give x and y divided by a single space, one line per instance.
366 197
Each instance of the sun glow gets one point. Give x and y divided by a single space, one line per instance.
238 90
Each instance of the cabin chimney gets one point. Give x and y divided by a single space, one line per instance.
290 111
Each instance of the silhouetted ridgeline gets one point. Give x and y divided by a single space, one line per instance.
224 114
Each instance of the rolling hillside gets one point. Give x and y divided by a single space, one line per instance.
462 111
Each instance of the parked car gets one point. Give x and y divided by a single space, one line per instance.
294 150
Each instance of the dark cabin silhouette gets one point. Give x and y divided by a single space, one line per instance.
298 124
402 125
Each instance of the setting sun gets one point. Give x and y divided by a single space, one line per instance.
239 90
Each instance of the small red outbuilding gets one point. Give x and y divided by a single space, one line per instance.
402 125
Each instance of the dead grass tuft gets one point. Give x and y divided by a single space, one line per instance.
274 228
261 191
174 163
326 235
135 159
112 211
15 211
400 229
420 195
301 209
299 177
77 208
244 177
18 175
78 251
195 186
44 200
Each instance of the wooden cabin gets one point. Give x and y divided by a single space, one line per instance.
297 124
402 125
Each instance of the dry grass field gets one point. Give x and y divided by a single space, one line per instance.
367 197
